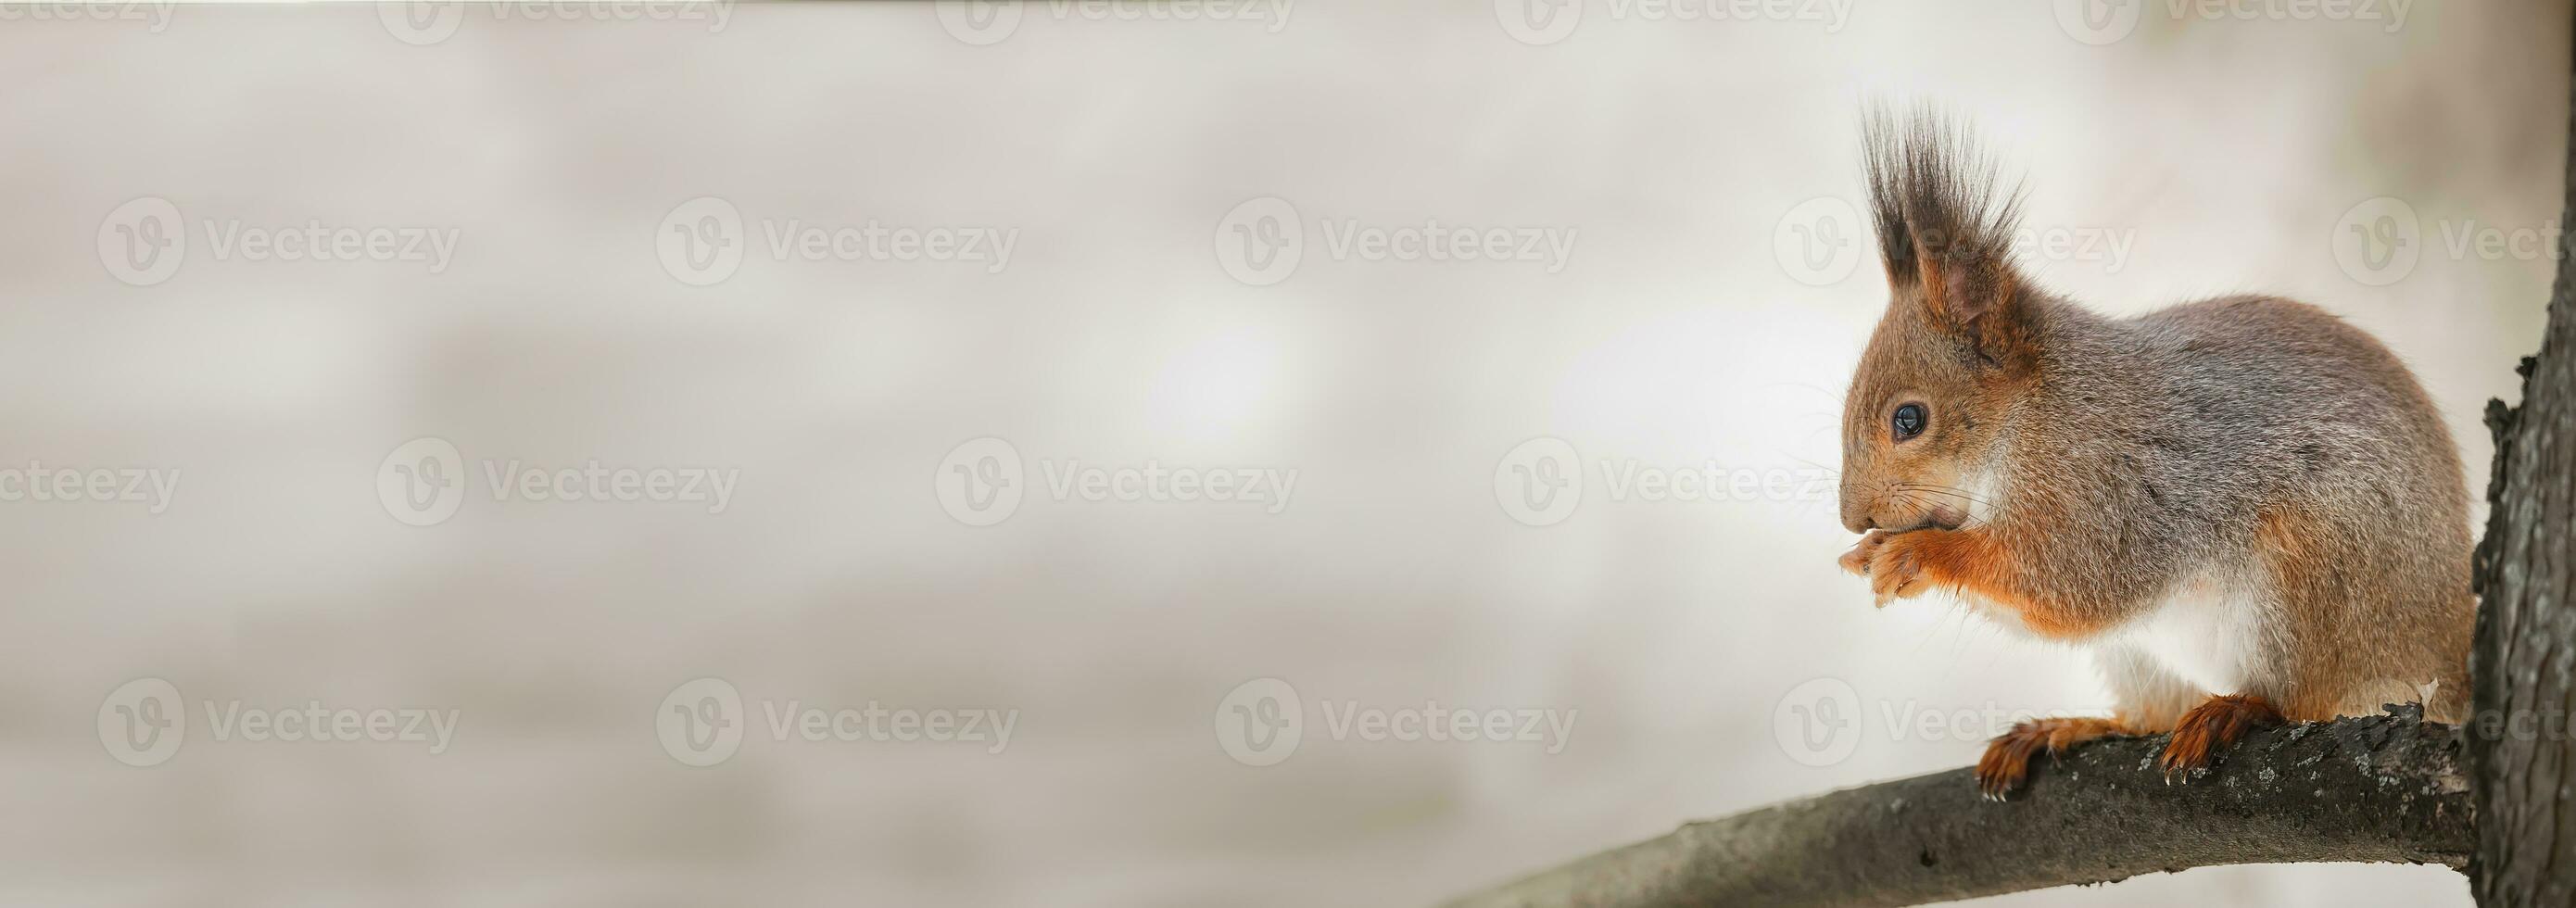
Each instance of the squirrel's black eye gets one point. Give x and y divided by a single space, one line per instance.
1909 421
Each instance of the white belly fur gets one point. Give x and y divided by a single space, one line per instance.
2204 633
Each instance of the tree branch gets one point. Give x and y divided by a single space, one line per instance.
2377 788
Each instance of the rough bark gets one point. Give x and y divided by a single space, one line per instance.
2380 788
2521 754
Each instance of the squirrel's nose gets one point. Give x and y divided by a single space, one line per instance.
1858 519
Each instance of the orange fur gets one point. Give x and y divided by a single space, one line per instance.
2007 760
2214 724
1966 561
2312 588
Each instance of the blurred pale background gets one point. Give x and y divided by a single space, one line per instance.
1698 320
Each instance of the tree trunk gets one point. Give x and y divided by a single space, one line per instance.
2522 756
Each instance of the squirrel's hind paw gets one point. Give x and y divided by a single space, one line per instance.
2006 765
2214 724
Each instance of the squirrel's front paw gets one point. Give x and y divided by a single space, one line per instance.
1856 561
1893 562
1896 567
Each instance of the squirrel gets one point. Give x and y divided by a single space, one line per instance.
2244 509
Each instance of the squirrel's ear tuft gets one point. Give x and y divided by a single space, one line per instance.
1944 227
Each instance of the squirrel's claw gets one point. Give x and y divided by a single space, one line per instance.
1893 566
2006 764
2214 724
1856 561
1896 570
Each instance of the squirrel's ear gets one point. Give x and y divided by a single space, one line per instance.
1945 230
1979 298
